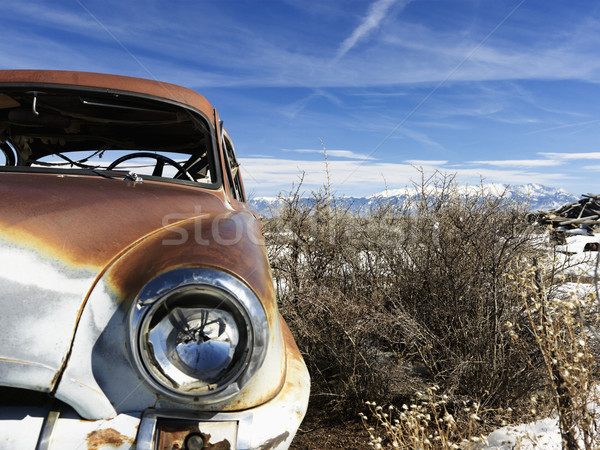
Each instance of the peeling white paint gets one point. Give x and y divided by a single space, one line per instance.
40 303
28 269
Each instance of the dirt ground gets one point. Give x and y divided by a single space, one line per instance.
311 436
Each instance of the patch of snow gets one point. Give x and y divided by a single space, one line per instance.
544 434
576 242
574 290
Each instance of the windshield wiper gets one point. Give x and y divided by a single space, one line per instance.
79 163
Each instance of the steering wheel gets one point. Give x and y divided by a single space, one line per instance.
158 168
11 156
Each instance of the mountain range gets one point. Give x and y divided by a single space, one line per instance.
540 198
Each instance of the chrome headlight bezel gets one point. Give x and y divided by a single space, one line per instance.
201 290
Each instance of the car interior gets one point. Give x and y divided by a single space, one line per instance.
104 133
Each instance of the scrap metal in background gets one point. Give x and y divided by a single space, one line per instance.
581 217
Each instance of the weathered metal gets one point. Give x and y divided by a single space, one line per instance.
104 322
108 83
583 214
76 249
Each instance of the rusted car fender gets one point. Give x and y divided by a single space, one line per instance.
229 242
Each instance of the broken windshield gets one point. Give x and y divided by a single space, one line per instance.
79 129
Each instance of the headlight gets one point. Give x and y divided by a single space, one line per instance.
198 334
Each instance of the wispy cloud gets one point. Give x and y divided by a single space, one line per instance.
374 16
419 137
422 162
354 178
520 163
571 156
296 107
336 153
567 125
221 49
371 94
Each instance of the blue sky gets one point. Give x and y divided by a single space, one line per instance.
504 90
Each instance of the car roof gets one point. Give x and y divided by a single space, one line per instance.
108 83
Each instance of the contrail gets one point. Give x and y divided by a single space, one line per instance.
374 16
439 85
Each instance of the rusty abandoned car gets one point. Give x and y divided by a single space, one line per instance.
138 309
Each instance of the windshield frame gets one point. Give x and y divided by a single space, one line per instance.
116 96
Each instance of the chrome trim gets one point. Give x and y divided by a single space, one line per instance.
160 288
147 430
47 430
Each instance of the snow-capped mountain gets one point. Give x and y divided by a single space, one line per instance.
540 198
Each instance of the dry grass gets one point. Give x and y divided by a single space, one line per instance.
433 291
564 327
425 423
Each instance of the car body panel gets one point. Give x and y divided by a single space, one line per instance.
78 246
108 83
271 425
57 235
104 321
72 219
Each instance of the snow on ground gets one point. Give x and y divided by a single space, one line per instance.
576 242
579 265
545 433
575 290
542 434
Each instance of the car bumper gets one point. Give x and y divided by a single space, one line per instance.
271 425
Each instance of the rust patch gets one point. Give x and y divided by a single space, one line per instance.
229 241
108 436
290 343
274 442
172 437
287 385
110 82
223 445
79 220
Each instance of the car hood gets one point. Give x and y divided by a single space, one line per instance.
58 234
